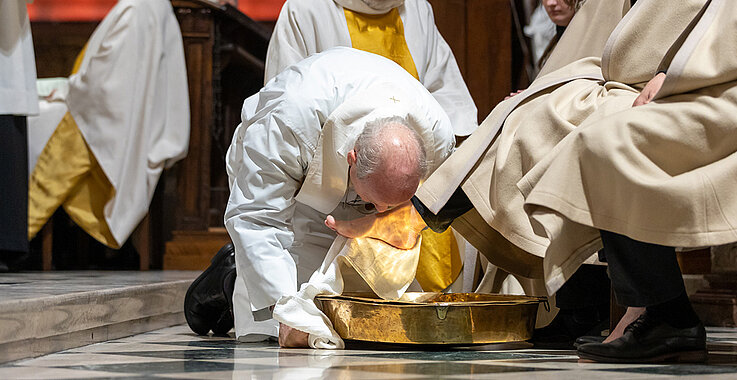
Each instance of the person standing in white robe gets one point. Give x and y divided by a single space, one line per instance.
128 119
288 167
401 30
17 100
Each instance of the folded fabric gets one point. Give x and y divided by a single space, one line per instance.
350 265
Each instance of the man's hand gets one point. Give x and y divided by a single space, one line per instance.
292 338
651 89
399 227
512 94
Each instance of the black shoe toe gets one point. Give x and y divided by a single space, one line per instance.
588 339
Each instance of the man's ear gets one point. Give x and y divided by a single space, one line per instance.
351 157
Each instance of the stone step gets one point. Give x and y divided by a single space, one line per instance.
46 312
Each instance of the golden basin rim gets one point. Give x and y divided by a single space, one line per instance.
517 300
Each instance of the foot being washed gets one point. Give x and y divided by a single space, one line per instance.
399 227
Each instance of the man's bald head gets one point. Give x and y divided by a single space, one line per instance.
389 160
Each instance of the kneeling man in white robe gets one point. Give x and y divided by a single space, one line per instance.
342 132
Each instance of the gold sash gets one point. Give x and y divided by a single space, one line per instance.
440 261
68 174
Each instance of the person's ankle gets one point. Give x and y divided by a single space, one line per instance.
676 312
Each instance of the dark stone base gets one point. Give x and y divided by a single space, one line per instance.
716 304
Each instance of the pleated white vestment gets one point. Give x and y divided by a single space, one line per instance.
130 101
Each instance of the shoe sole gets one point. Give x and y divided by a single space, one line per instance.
698 356
221 255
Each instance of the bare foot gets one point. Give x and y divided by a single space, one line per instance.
630 316
291 337
351 228
399 226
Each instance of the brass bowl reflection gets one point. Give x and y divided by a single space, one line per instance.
432 318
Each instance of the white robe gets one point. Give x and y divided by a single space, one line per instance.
131 103
17 65
279 235
306 27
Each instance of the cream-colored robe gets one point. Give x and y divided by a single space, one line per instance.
662 173
488 167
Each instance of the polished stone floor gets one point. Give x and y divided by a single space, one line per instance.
176 352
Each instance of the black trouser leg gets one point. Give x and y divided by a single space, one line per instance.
587 288
14 188
645 274
642 274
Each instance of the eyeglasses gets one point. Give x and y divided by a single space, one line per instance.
359 205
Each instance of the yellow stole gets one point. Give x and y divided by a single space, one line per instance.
68 174
440 259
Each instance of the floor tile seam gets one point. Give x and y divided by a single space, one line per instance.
166 361
85 278
79 366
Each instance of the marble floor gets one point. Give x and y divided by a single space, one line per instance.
177 353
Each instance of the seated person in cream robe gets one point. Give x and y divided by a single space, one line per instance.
296 157
482 178
669 165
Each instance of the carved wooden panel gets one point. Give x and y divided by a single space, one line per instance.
481 35
225 53
193 190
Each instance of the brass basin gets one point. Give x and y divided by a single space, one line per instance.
432 318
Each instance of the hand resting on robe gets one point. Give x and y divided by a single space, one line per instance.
650 90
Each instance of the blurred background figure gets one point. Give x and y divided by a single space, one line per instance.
401 30
547 24
104 158
560 13
17 100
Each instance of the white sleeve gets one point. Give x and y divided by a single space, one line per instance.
443 78
266 165
287 45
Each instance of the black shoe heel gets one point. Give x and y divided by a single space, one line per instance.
201 317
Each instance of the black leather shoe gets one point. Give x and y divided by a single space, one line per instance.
647 340
588 339
208 302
